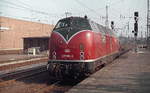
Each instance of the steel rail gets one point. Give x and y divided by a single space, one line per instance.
22 73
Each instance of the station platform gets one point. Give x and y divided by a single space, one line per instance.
128 74
10 62
15 57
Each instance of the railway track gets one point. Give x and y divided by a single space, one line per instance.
10 80
12 76
52 87
28 72
29 80
60 87
56 86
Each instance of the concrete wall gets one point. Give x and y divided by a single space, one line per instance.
13 31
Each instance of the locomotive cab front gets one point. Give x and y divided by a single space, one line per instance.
71 46
70 39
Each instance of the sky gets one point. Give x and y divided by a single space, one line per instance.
50 11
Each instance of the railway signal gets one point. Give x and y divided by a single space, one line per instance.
135 29
136 15
112 25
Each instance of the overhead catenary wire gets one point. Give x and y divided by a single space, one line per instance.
38 18
27 7
85 6
35 14
95 10
19 1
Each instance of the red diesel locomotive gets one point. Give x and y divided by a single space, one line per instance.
78 45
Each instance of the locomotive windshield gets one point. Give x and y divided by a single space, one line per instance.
67 27
63 23
80 23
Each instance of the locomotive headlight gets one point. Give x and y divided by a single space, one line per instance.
81 51
81 55
54 55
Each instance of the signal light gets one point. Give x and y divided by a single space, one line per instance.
136 14
135 34
112 24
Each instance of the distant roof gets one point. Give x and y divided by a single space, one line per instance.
36 37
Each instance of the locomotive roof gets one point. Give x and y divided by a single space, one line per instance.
105 30
73 18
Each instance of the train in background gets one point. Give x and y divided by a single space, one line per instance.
79 46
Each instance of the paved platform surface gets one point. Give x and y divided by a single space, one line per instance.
128 74
15 57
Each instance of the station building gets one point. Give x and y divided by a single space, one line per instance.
16 36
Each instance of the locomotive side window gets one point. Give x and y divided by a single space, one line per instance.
100 29
97 28
94 27
81 23
105 30
110 32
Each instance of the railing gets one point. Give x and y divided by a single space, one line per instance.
34 50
